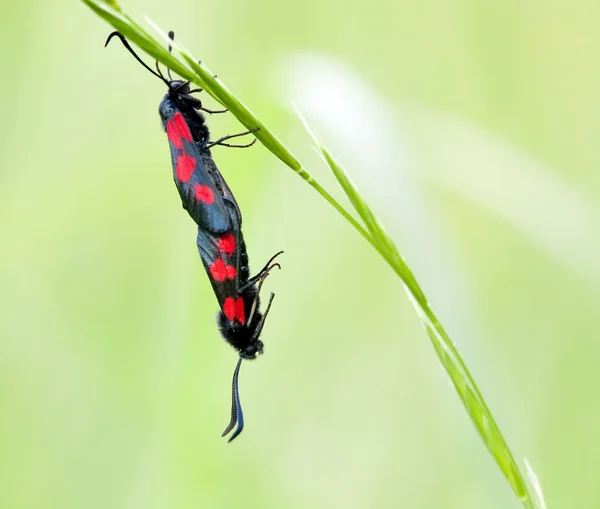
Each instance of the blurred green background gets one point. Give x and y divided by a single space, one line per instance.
472 128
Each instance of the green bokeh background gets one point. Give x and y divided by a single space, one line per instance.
114 383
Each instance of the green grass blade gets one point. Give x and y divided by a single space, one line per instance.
373 225
445 349
192 70
204 78
215 87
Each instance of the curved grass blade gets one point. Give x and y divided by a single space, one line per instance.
373 233
447 353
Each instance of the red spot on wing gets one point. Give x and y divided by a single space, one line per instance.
185 167
227 244
239 310
177 129
173 135
220 272
234 309
204 193
229 308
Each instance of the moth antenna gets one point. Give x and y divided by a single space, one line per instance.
130 49
271 259
237 416
172 38
264 272
162 76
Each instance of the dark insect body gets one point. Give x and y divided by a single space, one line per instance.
211 204
225 259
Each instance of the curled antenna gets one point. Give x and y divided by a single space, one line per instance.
262 273
237 416
266 267
130 49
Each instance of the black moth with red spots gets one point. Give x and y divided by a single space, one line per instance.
210 203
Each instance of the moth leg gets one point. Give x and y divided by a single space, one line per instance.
212 112
230 136
260 324
232 145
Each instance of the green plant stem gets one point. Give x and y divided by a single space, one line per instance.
196 72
